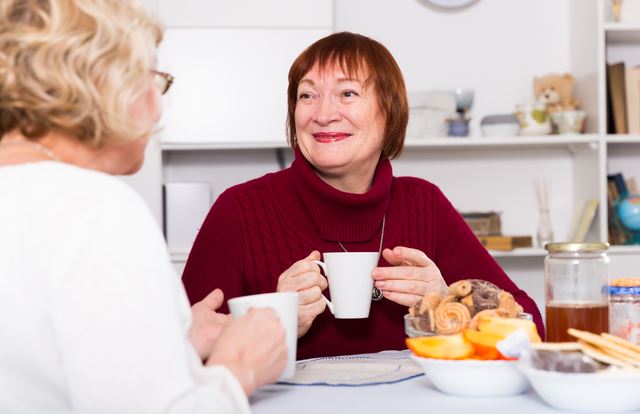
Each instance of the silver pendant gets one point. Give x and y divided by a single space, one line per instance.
376 294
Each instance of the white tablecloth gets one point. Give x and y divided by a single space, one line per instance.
415 395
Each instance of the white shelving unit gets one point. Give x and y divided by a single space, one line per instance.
476 173
617 42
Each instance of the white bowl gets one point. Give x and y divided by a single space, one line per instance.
569 122
606 391
500 130
474 378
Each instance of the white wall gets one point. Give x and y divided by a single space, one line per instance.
495 47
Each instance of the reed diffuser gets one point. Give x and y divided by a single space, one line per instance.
545 232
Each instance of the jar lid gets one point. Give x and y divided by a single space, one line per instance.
575 247
624 290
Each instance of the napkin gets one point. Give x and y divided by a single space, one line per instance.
356 370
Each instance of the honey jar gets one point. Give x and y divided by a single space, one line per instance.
576 279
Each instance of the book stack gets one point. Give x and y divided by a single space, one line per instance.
505 242
623 99
487 228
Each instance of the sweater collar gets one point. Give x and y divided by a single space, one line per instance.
338 215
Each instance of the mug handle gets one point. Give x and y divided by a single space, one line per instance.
327 301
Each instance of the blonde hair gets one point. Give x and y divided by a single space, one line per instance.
74 66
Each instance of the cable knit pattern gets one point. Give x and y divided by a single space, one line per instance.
257 230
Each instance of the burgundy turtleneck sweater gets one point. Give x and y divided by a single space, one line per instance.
257 230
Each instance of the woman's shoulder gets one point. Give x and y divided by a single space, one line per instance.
258 187
100 186
413 184
68 185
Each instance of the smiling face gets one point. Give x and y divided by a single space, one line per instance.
339 127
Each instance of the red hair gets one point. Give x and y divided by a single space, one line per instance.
357 54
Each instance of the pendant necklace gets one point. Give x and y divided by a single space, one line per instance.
36 146
377 293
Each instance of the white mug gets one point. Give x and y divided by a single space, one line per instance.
350 282
286 306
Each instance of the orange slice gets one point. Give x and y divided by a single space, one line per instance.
441 346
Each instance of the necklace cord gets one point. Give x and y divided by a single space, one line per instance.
376 294
381 238
36 146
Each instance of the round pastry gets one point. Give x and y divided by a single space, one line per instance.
485 299
485 295
451 318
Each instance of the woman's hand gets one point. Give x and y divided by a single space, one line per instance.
206 323
304 277
410 276
253 347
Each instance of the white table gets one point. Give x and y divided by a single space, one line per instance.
412 396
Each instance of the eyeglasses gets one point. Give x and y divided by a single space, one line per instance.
163 80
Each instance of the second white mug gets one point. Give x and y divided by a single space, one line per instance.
350 282
286 306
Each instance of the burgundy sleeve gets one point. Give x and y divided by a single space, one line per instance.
216 258
460 255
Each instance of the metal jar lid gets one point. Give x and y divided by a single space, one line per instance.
576 247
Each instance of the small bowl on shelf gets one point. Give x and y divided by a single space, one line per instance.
568 122
503 125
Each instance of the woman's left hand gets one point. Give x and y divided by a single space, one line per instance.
410 276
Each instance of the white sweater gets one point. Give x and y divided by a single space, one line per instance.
93 317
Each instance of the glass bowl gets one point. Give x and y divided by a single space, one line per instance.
414 326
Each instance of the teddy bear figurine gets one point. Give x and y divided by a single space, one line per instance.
556 92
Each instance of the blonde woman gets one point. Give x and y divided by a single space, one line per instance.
93 316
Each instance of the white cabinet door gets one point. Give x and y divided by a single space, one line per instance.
230 84
246 13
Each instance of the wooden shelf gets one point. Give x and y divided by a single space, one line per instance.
444 142
631 250
517 141
622 33
623 139
521 252
216 146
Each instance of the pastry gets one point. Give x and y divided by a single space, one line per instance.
430 300
451 317
460 288
509 304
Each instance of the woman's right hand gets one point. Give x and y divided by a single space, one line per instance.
304 277
253 347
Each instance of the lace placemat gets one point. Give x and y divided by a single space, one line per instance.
355 370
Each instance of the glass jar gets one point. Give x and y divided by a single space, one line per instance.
576 295
624 312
